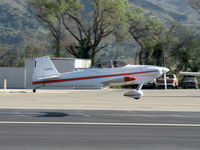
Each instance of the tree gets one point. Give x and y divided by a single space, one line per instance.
145 31
195 61
181 48
88 27
50 12
7 57
195 58
32 46
163 45
104 18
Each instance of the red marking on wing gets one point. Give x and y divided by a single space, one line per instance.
128 79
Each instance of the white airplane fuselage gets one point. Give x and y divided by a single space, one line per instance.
45 73
103 76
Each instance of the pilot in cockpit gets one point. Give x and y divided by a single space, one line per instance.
115 64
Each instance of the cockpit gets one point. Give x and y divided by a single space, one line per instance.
110 64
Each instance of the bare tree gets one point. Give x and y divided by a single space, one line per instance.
49 12
88 30
89 33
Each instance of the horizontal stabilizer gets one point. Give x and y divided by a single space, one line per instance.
49 77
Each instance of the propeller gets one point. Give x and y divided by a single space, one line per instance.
165 81
165 70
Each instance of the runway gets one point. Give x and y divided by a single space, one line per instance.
98 130
106 99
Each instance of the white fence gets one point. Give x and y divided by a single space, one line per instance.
14 75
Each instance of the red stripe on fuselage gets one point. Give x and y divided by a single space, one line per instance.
91 77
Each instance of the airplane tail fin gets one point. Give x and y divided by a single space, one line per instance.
44 69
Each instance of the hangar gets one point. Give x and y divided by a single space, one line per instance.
21 77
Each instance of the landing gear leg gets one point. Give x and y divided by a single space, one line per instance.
34 90
139 87
140 93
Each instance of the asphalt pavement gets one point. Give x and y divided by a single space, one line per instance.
98 130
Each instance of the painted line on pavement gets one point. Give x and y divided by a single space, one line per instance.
103 124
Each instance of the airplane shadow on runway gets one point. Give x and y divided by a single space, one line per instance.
52 114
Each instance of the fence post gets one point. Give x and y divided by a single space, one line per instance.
5 85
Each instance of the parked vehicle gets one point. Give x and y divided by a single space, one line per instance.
190 82
171 79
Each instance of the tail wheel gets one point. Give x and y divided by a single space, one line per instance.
34 90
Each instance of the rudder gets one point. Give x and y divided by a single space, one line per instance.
44 69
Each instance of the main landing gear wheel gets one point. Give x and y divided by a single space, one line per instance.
37 87
136 94
34 90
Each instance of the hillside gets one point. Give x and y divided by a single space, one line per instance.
178 10
16 19
19 25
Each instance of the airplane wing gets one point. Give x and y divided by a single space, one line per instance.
190 73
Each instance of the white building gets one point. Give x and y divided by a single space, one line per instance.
21 77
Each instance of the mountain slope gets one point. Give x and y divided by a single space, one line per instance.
178 10
17 17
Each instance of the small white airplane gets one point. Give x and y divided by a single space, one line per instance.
46 73
190 73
